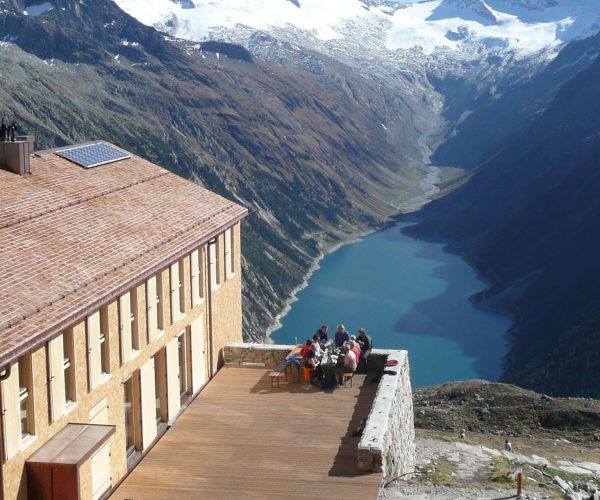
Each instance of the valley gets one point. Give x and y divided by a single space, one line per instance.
325 120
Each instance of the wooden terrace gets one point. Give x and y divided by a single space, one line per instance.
240 438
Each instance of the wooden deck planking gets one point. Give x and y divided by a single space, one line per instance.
243 439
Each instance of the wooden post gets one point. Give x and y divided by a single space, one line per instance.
519 484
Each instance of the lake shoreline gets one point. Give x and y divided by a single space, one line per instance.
427 187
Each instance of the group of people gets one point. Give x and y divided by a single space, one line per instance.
353 352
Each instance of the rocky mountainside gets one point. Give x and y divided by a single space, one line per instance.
504 88
321 117
554 444
306 153
528 219
506 410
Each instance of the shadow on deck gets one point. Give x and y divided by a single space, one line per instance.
243 439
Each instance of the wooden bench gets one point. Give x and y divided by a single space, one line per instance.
276 373
348 377
282 367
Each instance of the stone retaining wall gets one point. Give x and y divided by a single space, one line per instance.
267 354
388 440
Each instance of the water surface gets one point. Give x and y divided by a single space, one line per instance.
408 294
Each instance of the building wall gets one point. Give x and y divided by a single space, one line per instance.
227 306
225 302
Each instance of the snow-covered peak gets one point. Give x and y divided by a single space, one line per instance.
469 10
522 27
194 20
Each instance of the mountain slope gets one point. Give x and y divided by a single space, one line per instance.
312 162
528 219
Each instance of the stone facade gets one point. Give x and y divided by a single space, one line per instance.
388 440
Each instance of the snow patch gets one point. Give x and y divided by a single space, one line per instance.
195 22
523 27
38 10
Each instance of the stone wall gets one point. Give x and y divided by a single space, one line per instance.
388 441
267 354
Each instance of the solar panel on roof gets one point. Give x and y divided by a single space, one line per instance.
92 155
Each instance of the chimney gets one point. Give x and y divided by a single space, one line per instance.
15 154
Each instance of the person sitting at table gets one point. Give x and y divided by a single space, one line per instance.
349 363
355 349
319 350
314 365
341 336
306 348
322 333
366 344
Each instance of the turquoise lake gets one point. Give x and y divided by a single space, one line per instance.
408 294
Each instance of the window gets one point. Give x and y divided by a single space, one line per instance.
213 264
129 416
25 396
152 308
229 265
175 292
104 342
17 407
182 352
69 366
197 276
159 295
128 331
61 373
134 330
160 380
98 347
182 286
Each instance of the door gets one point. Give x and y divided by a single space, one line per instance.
57 377
198 353
173 400
94 355
148 403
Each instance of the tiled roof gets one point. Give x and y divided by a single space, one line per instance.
73 238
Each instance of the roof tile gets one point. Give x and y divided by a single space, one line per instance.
72 238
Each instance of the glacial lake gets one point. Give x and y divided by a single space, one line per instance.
408 294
